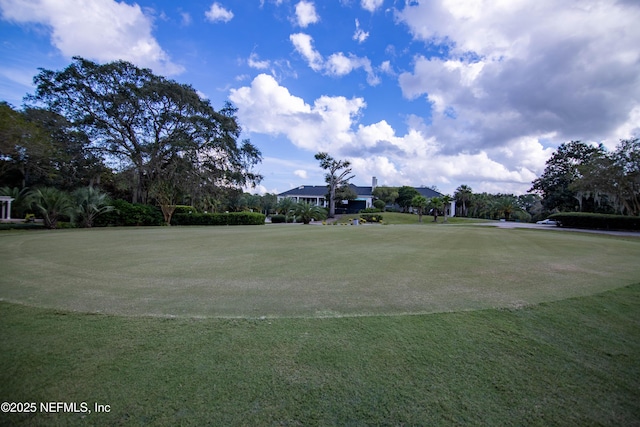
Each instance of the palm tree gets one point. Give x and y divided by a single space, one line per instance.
446 202
420 203
463 194
52 204
436 204
285 206
305 211
91 203
506 205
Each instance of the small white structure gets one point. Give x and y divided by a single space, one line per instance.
5 208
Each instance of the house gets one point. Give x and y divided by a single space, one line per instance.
317 195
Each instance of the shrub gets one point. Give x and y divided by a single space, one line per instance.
278 219
370 210
229 218
186 209
371 217
130 214
597 221
379 204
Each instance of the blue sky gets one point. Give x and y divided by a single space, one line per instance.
437 93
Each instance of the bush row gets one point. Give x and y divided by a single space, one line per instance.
128 214
227 218
279 219
597 221
370 210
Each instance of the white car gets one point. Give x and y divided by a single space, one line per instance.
547 222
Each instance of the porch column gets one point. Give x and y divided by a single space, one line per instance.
5 212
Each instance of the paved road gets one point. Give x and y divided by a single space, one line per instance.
504 224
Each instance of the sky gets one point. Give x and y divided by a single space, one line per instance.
423 93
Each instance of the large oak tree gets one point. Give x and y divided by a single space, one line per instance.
138 120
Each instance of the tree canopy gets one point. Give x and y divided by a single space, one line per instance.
582 177
150 125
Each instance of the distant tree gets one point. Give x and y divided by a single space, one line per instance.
379 204
285 207
305 212
405 195
561 171
446 203
171 184
506 205
435 203
463 195
344 192
338 175
52 204
25 150
269 202
627 164
90 203
420 203
387 194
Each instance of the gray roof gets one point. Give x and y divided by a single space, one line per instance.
321 191
306 191
428 192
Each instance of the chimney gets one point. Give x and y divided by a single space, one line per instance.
374 183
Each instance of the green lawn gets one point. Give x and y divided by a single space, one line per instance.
257 326
315 271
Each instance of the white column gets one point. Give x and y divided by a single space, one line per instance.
9 209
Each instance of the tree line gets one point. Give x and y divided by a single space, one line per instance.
468 204
584 178
135 135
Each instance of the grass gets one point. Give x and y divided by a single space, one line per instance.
308 271
571 362
313 325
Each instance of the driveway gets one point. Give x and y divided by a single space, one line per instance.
510 224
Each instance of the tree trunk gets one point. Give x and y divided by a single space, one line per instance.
167 213
332 201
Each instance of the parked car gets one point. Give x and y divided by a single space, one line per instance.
547 222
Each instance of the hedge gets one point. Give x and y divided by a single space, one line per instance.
597 221
279 219
127 214
370 210
227 218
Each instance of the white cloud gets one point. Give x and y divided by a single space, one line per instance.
218 13
186 19
303 44
255 62
306 14
360 35
102 30
266 107
337 65
371 5
525 69
301 173
333 124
